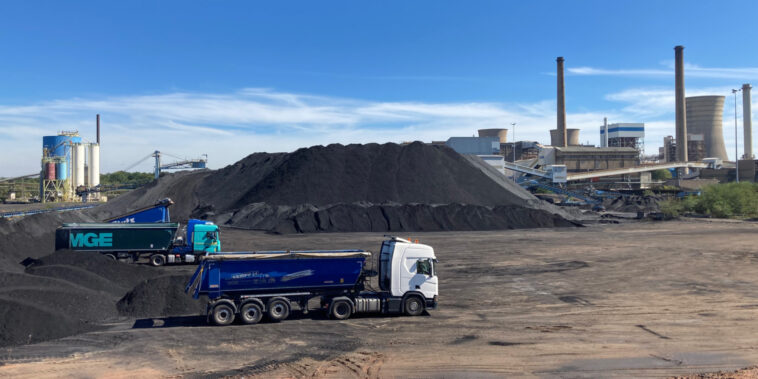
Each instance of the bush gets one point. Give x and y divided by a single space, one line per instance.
729 200
661 175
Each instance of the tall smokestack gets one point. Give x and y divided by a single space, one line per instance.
747 122
97 118
681 107
561 105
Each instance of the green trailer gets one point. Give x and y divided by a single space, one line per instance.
156 240
117 240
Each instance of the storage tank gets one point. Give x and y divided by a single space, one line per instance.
704 116
49 170
499 133
572 137
94 165
61 170
78 173
60 145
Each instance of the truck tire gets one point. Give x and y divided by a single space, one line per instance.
157 260
413 306
251 313
278 309
340 310
223 314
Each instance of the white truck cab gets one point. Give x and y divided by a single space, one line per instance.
408 268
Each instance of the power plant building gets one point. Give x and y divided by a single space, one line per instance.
623 135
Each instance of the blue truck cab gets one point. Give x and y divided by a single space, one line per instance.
202 238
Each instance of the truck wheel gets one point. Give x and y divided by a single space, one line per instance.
414 306
251 313
157 260
278 309
223 314
340 310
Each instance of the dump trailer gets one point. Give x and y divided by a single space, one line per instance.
130 242
249 285
157 212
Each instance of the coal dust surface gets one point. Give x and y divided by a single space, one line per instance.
373 188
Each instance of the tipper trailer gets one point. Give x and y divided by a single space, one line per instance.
128 241
250 285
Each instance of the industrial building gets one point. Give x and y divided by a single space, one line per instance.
585 158
69 164
623 135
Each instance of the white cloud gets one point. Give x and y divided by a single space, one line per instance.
230 126
690 70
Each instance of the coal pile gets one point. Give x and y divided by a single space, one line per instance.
63 294
633 204
380 188
161 296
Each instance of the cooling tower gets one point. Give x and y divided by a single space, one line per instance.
572 137
499 133
704 116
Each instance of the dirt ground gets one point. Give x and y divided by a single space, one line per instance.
629 300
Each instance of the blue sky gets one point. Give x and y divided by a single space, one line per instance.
229 78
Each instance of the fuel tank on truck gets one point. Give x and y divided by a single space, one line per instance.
261 272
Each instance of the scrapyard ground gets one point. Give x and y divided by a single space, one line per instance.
629 300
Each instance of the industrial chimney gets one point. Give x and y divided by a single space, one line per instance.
561 106
681 106
747 121
97 118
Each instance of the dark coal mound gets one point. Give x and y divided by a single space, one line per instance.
62 294
23 323
31 236
371 187
391 217
633 204
373 173
91 271
161 296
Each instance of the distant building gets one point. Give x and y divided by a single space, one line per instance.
475 145
524 150
582 158
696 148
623 135
669 149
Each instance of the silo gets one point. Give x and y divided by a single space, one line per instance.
61 170
572 137
704 116
499 133
78 158
94 165
49 170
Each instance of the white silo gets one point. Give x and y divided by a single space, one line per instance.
78 165
94 165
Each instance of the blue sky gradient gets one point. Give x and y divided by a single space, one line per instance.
282 75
